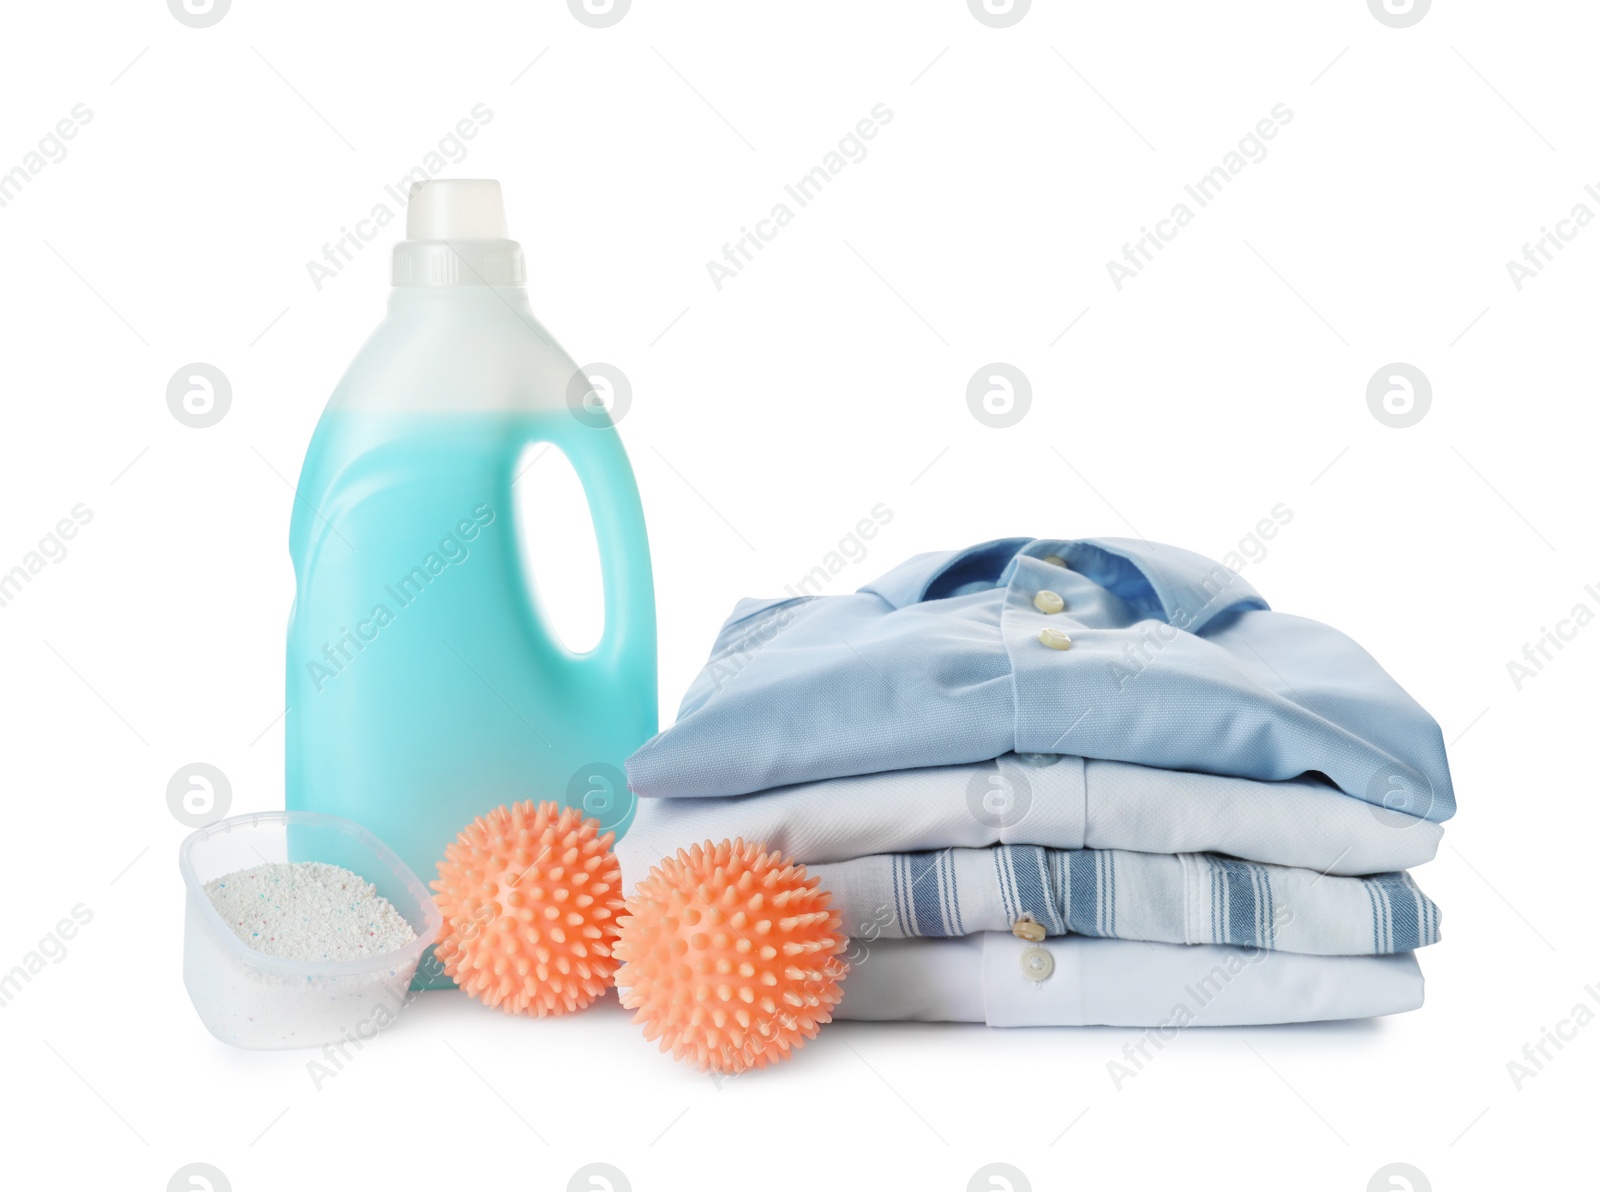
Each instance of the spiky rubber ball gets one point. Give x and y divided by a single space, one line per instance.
730 956
530 898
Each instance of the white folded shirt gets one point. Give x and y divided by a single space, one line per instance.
1059 802
1000 980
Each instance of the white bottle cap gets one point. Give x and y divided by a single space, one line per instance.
456 236
456 209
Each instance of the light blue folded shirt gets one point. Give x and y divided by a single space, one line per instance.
1174 662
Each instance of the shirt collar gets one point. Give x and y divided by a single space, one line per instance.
1164 582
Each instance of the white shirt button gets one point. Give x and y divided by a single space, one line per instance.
1047 601
1055 639
1037 964
1054 560
1039 760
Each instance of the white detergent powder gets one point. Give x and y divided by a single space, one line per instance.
307 910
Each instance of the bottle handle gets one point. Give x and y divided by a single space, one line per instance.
626 579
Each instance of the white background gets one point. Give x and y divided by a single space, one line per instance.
768 418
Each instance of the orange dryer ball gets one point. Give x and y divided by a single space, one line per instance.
530 898
730 955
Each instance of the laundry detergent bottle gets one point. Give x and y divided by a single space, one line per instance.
426 683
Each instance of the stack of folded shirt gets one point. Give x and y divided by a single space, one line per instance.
1066 783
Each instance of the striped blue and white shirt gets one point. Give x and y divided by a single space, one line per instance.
1187 898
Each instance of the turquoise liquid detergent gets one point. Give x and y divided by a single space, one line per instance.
426 684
